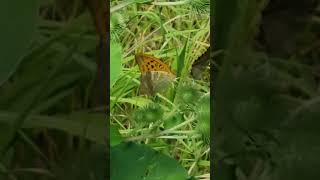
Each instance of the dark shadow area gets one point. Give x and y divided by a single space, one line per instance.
265 86
53 90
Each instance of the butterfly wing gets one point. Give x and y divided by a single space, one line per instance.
146 85
150 63
161 81
156 76
153 82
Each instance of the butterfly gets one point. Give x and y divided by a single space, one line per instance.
156 76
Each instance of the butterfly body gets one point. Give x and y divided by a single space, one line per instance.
156 76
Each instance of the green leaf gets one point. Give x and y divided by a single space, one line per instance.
141 1
173 120
115 62
115 136
91 126
181 59
18 21
141 162
138 101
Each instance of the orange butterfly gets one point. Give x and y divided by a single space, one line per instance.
156 76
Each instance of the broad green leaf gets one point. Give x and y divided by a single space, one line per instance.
18 21
115 62
115 136
141 162
138 101
181 60
88 125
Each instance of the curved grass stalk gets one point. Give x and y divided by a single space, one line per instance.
120 6
168 131
150 34
171 3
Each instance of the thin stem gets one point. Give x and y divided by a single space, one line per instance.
160 133
170 3
120 6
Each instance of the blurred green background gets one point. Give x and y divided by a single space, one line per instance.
51 127
266 94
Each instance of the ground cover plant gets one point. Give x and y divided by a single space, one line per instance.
51 128
151 133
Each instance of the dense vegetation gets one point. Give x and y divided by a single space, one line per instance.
264 78
176 122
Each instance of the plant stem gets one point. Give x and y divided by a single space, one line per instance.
160 133
170 3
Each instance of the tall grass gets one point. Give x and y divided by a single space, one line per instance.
163 30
